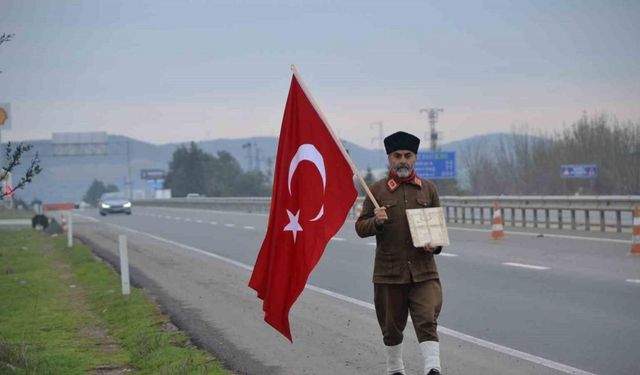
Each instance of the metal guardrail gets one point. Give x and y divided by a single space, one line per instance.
562 212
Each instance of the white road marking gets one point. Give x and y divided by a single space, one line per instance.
198 221
213 223
248 227
635 281
459 335
529 266
87 217
372 244
187 219
447 255
229 225
177 218
337 239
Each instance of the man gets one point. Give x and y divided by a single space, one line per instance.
405 277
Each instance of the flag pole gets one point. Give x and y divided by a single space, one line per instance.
354 169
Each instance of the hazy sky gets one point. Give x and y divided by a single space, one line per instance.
168 71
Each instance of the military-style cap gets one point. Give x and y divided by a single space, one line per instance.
401 141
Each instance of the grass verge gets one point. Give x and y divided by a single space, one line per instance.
62 312
15 214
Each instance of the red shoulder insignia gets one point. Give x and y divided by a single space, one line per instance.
392 185
417 181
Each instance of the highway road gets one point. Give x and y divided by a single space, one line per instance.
556 299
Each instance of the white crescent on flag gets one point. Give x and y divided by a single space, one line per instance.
310 153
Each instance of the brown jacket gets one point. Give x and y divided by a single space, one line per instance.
397 260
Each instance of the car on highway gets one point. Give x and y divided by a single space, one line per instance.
116 202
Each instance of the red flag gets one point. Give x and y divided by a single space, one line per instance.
313 192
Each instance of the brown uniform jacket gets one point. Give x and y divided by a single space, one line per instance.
397 260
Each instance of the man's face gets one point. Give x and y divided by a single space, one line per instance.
402 161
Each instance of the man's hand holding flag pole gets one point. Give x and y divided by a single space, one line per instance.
313 192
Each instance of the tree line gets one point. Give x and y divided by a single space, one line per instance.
193 170
529 164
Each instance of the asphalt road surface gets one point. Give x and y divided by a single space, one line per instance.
555 301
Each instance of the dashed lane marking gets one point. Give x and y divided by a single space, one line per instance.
248 227
529 266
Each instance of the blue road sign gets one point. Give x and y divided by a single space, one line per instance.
436 165
152 174
156 184
578 171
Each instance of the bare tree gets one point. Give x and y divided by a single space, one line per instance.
13 156
523 163
5 38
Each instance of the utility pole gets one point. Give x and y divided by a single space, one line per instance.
257 155
248 147
433 119
129 180
379 139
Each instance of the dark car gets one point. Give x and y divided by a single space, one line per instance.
111 203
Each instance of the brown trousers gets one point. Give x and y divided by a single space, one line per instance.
393 303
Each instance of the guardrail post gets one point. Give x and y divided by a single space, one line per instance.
535 217
587 221
559 218
618 221
524 217
602 227
513 217
464 215
481 215
473 215
547 219
573 219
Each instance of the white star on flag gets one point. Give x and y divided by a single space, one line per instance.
294 225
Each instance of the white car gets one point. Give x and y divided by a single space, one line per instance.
114 203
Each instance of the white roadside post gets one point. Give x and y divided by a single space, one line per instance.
69 229
124 264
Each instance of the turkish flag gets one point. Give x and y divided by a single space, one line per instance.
313 192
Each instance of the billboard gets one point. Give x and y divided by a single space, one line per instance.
79 144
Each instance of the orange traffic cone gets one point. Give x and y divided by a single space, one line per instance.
497 229
635 232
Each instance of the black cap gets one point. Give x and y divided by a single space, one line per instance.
401 141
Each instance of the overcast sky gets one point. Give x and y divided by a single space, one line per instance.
169 71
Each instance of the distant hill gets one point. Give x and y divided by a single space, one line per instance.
68 178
